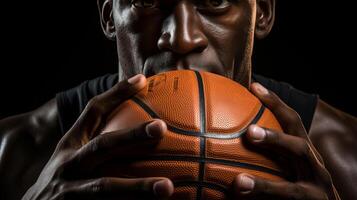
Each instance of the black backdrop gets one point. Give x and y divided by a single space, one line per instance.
49 46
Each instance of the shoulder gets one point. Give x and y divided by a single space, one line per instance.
27 141
329 118
333 128
37 123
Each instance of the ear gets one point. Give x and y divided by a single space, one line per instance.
265 18
105 8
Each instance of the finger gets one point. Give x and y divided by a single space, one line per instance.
97 109
248 186
110 145
291 146
110 187
288 118
278 142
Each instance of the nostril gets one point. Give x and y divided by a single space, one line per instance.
164 41
200 43
181 44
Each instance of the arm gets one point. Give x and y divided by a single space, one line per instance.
26 143
334 134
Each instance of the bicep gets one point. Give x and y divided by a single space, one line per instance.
334 134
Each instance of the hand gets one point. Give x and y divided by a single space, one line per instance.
82 148
312 180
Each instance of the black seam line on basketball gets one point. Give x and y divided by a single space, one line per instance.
202 102
195 133
201 171
198 160
201 184
202 111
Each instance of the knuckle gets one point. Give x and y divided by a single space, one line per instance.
144 185
94 106
98 144
99 185
291 117
138 132
273 98
94 145
57 187
272 137
275 105
260 186
303 150
264 187
121 87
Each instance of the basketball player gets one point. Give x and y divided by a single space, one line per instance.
49 153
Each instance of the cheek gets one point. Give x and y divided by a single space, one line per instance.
132 26
228 34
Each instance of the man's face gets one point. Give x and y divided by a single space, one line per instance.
159 35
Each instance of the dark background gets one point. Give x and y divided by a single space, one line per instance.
49 46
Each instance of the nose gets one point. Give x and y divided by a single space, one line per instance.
182 31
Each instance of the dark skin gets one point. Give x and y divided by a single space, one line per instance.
201 35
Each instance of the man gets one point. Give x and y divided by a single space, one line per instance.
154 36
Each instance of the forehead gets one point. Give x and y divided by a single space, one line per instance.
172 2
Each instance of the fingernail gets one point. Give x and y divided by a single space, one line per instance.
163 188
257 134
155 129
262 90
246 184
135 79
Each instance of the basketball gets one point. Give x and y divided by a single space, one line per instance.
203 150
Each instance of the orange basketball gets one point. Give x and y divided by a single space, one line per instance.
203 149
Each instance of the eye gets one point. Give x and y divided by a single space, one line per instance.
144 3
213 6
217 3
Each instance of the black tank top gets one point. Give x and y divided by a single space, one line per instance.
72 102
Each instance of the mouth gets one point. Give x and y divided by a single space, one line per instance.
168 62
150 71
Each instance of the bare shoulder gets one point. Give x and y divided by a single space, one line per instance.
27 141
334 133
45 121
38 124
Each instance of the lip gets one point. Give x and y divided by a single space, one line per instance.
149 72
157 66
168 62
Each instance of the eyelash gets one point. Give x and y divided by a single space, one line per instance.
202 6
